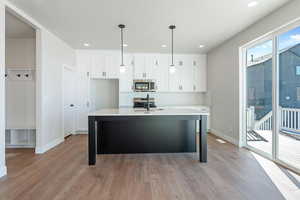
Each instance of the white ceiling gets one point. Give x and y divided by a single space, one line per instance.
15 28
208 22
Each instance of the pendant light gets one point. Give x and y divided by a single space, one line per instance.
122 66
172 68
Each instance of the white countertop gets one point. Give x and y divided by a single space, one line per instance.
184 110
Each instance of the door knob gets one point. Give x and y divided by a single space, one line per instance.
72 105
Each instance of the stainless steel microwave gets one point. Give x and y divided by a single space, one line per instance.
144 86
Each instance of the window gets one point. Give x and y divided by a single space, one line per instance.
273 88
298 93
297 70
251 93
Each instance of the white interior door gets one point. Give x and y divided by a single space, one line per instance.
69 97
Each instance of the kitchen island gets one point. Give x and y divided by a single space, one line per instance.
128 130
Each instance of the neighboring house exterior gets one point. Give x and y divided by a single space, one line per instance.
259 82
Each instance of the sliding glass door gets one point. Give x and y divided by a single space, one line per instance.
271 100
288 135
259 97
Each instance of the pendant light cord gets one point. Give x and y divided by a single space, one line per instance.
122 26
172 47
172 27
122 46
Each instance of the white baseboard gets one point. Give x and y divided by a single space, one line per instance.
225 137
47 147
81 132
3 171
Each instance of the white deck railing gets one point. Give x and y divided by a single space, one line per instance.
264 123
289 120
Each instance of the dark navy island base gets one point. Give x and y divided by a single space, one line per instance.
146 134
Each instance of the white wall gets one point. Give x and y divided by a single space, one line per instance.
165 99
20 52
104 93
2 90
54 55
223 72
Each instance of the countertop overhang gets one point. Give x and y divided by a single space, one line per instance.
155 112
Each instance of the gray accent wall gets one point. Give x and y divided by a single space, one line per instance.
223 71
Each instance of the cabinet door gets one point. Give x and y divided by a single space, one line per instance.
160 72
126 75
175 75
197 80
84 62
199 65
98 66
151 66
112 66
139 66
186 72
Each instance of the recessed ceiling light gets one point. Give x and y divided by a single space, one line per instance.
163 46
86 44
252 4
125 45
201 46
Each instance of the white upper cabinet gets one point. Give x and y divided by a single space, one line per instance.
84 62
157 68
105 65
140 66
175 74
181 75
126 74
188 74
152 66
98 65
200 73
113 62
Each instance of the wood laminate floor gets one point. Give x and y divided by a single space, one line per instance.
63 173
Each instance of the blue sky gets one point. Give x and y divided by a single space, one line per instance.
285 40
